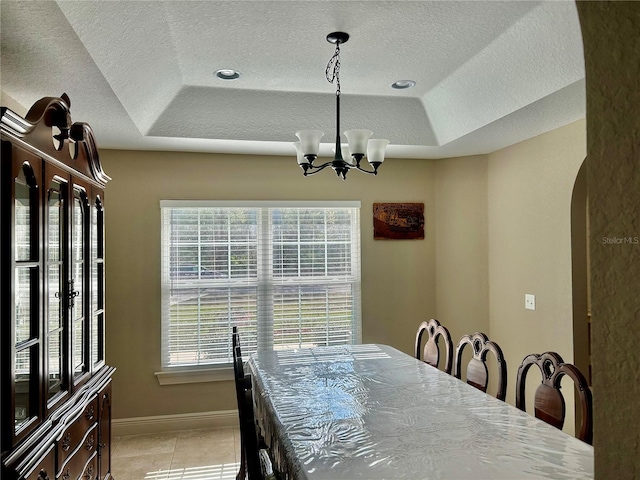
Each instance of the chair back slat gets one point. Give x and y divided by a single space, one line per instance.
477 371
549 404
430 353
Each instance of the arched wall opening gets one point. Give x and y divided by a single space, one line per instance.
611 49
580 274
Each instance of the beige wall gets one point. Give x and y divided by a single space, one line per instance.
398 277
529 203
612 49
503 230
462 281
11 104
496 227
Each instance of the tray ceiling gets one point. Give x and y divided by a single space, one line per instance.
141 73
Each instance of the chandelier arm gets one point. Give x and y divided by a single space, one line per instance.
370 172
316 168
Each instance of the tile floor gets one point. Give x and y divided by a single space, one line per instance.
185 455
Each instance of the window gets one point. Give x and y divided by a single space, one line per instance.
286 273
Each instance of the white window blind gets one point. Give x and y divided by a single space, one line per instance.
286 273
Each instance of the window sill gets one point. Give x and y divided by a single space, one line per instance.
195 375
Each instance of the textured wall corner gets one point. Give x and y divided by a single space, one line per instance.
612 53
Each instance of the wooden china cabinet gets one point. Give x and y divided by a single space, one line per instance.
55 387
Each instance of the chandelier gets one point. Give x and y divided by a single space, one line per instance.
360 144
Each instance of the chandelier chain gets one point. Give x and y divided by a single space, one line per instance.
333 69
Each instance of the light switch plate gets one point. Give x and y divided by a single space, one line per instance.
529 301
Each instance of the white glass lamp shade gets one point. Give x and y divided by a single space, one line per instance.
301 158
358 140
375 150
310 141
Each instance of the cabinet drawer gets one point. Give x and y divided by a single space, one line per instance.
45 470
76 460
91 468
76 432
80 469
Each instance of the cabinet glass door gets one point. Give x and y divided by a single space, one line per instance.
55 265
26 334
97 283
77 284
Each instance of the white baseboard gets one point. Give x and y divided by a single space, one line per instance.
172 423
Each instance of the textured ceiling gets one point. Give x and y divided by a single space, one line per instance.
141 73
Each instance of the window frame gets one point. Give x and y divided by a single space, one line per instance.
174 374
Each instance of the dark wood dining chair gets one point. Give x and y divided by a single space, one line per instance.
477 371
549 404
249 450
430 353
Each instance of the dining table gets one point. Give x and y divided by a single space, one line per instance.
372 411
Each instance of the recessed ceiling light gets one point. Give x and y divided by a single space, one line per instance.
402 84
227 74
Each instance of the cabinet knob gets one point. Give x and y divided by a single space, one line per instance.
43 475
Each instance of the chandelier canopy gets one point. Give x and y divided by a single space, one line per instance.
360 144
